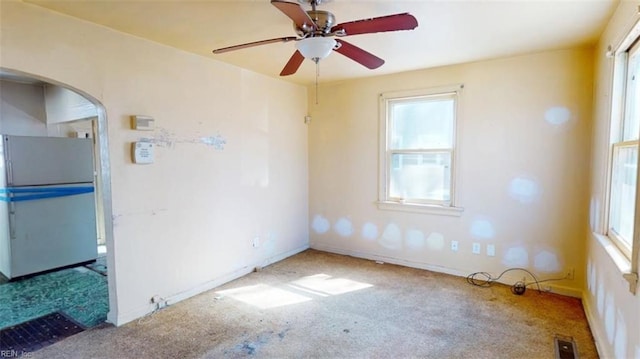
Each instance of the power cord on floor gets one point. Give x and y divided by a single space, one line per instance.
484 279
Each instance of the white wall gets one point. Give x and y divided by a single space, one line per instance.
613 311
231 155
22 110
63 105
524 119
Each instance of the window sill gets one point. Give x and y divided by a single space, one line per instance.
420 208
619 259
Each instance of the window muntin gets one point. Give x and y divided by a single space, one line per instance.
419 148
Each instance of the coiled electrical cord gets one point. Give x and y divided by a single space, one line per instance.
484 279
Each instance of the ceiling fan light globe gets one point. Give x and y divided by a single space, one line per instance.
316 48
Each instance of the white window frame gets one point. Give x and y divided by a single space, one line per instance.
628 254
385 201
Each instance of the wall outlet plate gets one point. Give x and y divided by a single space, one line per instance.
454 246
475 249
570 273
491 250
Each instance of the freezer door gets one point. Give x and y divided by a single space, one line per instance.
34 161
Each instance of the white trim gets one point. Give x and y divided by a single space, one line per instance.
427 207
599 336
632 35
420 208
626 261
140 312
617 257
505 279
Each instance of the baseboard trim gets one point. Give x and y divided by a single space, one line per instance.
506 279
599 337
387 259
124 318
562 290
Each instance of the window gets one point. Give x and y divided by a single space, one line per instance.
625 132
417 148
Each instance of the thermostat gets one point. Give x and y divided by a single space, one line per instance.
143 123
142 152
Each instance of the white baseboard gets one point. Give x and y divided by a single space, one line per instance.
279 257
123 318
599 336
506 279
392 260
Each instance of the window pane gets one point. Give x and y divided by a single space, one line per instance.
623 191
424 176
421 123
631 127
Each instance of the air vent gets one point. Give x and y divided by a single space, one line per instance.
565 347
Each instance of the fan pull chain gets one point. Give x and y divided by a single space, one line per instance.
317 75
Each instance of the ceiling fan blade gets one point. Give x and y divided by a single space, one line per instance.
358 55
395 22
294 63
252 44
295 12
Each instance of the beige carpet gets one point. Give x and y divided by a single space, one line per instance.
320 305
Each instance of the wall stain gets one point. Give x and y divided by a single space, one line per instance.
167 139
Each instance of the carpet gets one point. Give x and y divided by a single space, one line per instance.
22 339
322 305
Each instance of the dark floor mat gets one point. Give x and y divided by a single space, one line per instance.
79 293
99 265
37 333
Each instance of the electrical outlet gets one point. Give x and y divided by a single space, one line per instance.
491 250
570 273
256 242
475 249
454 246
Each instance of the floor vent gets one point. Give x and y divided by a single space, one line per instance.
565 347
37 333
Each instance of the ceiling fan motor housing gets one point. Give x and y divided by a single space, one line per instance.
324 21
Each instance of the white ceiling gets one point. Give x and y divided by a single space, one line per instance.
449 32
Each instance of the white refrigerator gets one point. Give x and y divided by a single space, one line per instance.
47 204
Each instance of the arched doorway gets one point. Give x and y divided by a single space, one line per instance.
93 125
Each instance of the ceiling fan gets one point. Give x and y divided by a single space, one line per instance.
316 29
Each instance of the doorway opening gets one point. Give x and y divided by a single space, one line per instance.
82 291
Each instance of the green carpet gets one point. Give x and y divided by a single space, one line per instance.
78 292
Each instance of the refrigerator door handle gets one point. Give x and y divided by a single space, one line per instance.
9 173
12 220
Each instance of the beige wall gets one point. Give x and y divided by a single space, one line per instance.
612 309
185 223
523 120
